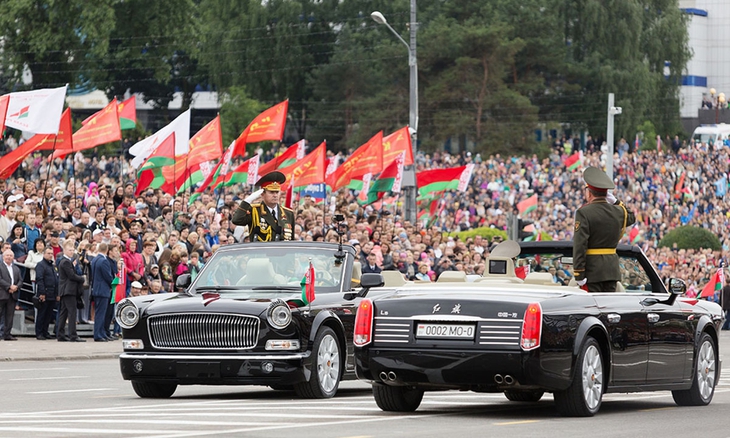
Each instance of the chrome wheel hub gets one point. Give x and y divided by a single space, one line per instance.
592 373
706 370
328 363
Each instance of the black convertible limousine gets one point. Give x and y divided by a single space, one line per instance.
500 333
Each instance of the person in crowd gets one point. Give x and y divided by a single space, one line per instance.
133 262
103 271
70 290
10 281
46 281
371 265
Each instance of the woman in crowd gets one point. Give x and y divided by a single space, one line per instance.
133 263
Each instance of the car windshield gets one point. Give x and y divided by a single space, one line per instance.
559 265
269 269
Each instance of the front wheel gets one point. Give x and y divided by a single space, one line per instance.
583 396
325 377
703 384
397 398
154 389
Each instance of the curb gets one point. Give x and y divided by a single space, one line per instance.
59 358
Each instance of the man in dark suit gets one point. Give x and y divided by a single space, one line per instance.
10 280
102 271
71 287
371 266
46 281
267 221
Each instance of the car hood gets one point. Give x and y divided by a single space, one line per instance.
245 303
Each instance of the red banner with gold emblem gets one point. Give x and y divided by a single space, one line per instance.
308 170
269 125
368 158
394 144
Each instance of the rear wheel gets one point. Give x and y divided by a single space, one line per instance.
325 377
397 398
585 393
154 389
705 379
524 396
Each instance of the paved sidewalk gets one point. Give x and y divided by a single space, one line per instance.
29 348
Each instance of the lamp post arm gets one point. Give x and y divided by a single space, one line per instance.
398 36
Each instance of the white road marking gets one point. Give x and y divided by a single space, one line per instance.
31 369
48 378
94 432
60 391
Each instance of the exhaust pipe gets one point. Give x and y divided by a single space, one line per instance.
509 380
383 376
498 379
391 376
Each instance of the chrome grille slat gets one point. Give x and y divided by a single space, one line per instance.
204 331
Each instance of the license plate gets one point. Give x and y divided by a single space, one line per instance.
445 331
199 370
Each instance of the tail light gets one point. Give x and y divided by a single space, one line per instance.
364 323
531 327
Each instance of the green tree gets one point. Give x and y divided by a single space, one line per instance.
688 237
55 41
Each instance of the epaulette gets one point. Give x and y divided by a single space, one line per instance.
287 209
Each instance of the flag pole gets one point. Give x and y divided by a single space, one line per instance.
45 207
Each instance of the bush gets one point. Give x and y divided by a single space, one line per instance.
486 232
688 237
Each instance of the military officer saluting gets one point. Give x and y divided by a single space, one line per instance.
267 221
599 225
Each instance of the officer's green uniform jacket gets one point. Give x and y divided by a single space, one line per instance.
262 225
598 229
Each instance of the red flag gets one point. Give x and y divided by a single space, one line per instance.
269 125
368 158
678 187
4 100
101 128
308 170
10 161
396 143
127 111
715 284
291 155
206 144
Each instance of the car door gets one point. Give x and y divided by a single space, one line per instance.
670 341
624 318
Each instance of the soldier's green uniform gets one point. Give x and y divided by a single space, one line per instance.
262 225
598 229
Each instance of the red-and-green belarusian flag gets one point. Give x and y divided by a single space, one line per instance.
527 205
291 155
205 146
439 180
574 161
307 284
150 173
128 113
119 288
715 284
245 173
390 180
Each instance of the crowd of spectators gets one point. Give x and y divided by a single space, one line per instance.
91 199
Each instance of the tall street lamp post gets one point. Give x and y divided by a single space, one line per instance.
409 174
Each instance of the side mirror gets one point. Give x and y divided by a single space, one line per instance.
183 281
677 286
372 280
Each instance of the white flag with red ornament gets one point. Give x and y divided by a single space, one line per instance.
37 111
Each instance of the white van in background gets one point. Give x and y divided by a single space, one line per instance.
711 133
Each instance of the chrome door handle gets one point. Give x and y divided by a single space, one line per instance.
613 318
652 317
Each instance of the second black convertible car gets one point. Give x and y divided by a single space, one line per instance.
243 321
501 333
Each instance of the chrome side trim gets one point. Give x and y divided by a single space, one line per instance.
205 357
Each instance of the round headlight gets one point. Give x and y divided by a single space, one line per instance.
279 315
127 314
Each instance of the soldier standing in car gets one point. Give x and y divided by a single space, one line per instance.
267 221
599 225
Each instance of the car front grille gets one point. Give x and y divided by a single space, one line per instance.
207 331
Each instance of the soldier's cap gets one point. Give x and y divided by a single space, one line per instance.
597 180
272 181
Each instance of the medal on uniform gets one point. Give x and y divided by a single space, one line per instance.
287 232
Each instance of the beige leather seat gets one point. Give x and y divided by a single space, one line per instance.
260 272
393 278
452 277
356 275
541 278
